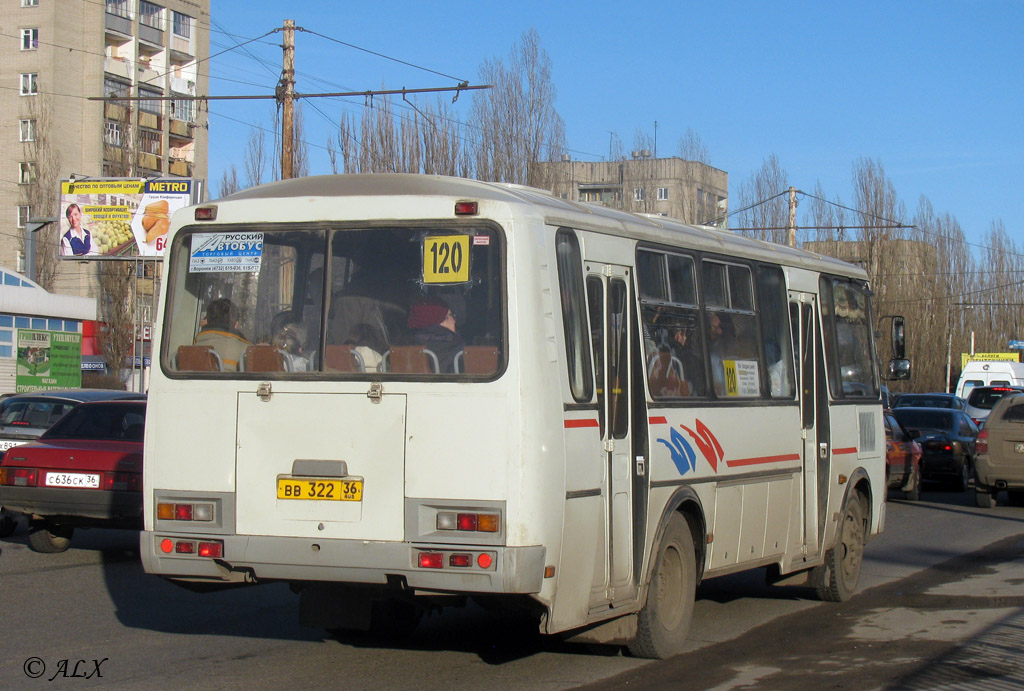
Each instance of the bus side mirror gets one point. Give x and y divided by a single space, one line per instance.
899 368
899 338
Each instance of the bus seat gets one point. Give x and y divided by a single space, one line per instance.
477 360
197 358
263 358
343 358
410 360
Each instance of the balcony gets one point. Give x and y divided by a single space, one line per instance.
183 86
121 25
149 161
114 111
118 67
181 128
181 168
182 45
150 120
151 35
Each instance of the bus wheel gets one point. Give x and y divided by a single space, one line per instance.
394 618
664 621
836 580
49 538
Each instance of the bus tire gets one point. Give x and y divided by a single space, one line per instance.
664 621
49 538
836 580
394 618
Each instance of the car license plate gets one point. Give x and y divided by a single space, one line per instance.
1018 447
319 489
86 480
11 443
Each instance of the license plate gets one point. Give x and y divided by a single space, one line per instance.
319 489
86 480
1018 447
10 443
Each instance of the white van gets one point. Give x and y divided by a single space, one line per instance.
989 373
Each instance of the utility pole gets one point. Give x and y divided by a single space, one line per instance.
286 97
792 217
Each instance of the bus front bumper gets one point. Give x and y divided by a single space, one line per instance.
252 558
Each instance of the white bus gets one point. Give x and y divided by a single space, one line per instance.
398 391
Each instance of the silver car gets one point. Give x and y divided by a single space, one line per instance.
982 399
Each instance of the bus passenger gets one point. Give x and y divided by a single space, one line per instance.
219 332
369 343
433 325
288 338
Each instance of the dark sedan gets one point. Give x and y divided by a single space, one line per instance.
930 400
947 439
85 471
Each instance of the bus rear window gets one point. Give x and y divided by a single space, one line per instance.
344 302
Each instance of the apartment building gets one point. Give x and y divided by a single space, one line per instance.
56 55
690 191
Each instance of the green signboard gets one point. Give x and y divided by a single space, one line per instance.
48 360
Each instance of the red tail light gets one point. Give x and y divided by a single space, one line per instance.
981 444
121 482
213 550
431 560
19 477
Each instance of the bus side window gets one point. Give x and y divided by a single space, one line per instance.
772 301
574 315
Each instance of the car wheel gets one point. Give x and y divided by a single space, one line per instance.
836 579
50 539
962 482
8 522
984 500
914 492
664 621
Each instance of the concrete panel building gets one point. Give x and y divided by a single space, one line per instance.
55 55
690 191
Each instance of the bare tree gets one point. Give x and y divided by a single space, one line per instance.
696 177
39 195
761 206
257 157
117 305
517 120
228 182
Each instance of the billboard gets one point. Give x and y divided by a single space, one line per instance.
48 360
118 218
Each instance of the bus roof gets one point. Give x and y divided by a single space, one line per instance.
553 210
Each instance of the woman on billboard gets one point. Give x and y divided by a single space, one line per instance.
78 240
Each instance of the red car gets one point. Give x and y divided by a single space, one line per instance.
902 458
85 471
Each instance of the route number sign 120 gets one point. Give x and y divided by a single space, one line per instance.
446 259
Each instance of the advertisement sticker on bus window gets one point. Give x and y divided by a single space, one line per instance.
230 252
446 259
741 378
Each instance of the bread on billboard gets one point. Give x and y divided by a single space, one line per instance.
155 220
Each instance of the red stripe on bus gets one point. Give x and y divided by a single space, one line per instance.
852 449
658 420
763 459
569 424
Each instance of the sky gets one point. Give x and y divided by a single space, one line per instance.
933 91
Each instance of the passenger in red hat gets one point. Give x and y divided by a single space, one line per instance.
433 325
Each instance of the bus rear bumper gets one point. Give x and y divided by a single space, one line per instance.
250 558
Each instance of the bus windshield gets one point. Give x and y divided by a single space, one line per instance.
294 300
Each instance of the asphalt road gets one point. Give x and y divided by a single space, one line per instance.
940 604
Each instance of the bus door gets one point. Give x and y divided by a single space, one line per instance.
610 305
814 417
